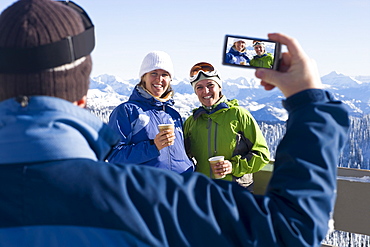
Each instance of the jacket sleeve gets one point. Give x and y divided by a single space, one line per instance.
122 121
187 141
251 153
302 190
229 58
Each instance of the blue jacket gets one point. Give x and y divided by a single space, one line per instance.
236 57
137 122
72 200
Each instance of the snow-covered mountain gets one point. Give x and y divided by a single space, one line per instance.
108 91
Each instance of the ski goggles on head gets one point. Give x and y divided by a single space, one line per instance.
258 43
206 68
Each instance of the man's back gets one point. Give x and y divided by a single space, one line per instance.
56 189
139 205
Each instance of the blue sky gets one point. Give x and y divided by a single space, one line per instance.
335 33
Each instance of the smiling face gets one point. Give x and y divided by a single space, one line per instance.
240 45
208 92
157 82
259 49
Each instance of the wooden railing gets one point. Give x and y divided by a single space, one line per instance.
352 208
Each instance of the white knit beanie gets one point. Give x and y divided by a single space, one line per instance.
156 60
237 40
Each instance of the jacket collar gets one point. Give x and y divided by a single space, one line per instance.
49 128
259 56
141 95
221 104
236 52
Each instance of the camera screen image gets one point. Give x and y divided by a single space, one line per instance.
251 52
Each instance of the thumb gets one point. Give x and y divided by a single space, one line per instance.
268 76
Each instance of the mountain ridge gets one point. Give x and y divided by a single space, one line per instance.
108 91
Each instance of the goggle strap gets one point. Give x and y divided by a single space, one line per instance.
65 51
206 74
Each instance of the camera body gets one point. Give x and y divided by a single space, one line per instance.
248 52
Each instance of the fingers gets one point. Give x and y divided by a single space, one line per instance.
164 138
223 167
285 62
292 44
297 72
268 78
267 86
271 78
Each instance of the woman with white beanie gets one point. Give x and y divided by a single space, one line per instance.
137 120
238 53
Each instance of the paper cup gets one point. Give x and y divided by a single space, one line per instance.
166 127
162 127
212 162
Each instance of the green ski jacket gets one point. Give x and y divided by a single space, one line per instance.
228 130
265 61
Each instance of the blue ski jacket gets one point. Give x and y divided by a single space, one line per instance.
137 123
56 190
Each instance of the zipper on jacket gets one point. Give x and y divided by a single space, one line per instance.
215 140
211 152
169 147
209 127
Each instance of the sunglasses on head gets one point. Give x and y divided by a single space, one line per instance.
65 51
205 68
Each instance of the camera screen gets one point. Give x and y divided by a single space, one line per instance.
249 52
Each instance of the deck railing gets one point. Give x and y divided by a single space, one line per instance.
352 208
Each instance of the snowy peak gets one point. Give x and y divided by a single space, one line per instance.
340 81
242 82
110 83
107 91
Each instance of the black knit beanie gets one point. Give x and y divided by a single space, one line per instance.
32 23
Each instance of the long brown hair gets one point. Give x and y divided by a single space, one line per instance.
142 84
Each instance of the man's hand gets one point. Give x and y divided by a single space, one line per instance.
297 71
